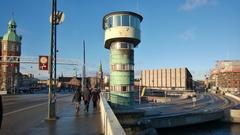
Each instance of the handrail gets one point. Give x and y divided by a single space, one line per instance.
233 96
110 123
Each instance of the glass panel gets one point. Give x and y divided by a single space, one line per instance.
116 20
133 21
125 20
137 23
110 22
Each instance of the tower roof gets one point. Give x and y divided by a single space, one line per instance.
11 34
12 23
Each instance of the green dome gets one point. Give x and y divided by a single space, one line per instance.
12 23
11 35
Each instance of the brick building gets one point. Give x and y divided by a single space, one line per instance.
10 47
225 75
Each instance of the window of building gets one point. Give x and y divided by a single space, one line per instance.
5 47
108 22
125 20
116 20
124 88
122 20
135 22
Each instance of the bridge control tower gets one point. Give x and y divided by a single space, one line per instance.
122 35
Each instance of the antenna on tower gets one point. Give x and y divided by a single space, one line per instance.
138 6
12 15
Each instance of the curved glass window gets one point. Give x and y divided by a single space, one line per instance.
122 20
133 21
122 45
122 67
125 20
116 20
108 22
121 88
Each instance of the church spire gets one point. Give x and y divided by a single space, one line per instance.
100 67
100 71
12 26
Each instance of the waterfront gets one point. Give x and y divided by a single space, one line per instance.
209 128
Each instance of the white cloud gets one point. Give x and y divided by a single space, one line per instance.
194 4
188 34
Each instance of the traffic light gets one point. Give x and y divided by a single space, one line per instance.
43 63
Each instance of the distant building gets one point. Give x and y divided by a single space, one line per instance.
76 82
10 47
27 82
225 76
168 79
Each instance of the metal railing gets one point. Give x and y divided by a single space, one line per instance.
110 123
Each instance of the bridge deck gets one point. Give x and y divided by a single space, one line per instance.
71 123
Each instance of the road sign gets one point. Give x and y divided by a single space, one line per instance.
59 17
43 63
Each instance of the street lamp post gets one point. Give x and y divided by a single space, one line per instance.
56 18
51 95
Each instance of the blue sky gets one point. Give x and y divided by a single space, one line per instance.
175 33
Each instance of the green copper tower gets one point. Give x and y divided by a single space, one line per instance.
122 35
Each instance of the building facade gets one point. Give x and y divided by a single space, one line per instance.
122 35
167 79
225 75
10 48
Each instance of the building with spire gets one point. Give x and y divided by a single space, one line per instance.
10 47
100 76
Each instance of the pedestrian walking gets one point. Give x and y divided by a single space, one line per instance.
77 100
86 98
95 97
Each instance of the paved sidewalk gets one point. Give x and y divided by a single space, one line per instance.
72 123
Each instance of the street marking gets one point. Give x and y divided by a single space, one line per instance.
23 109
34 106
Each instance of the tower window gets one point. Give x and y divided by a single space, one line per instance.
125 20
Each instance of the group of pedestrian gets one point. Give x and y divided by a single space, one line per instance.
87 94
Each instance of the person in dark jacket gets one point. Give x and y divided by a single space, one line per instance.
95 97
86 98
77 100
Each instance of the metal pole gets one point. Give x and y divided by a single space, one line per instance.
55 49
83 69
139 91
165 93
51 102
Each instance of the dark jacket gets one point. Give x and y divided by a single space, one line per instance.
77 97
95 95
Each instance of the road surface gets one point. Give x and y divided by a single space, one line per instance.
22 112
